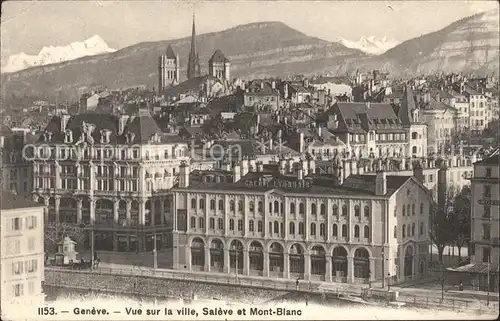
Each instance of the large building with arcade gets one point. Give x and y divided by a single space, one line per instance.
281 222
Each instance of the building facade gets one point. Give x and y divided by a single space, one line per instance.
284 224
168 70
22 253
110 173
219 66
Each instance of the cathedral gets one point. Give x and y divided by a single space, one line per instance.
169 66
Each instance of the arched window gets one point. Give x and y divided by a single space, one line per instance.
413 229
251 206
231 225
292 208
282 208
270 207
404 230
240 225
221 205
231 205
276 227
395 232
301 228
344 230
313 208
421 228
323 209
335 209
201 222
421 208
292 228
408 231
240 206
212 223
366 232
408 207
301 208
322 229
220 223
404 210
202 203
270 227
259 226
250 225
414 135
260 207
412 209
344 210
334 230
212 204
357 211
414 150
193 222
193 203
356 231
313 228
276 206
367 211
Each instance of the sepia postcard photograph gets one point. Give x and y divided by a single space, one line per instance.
249 160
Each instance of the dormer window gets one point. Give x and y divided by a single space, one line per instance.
68 136
105 136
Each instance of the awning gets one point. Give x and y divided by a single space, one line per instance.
480 268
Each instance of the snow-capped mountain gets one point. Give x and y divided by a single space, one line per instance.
49 55
371 45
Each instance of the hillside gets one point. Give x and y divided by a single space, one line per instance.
469 44
258 49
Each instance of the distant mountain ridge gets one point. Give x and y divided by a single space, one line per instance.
271 49
49 55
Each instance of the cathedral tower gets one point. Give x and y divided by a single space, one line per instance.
168 70
193 67
219 66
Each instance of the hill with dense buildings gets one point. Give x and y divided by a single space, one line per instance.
270 49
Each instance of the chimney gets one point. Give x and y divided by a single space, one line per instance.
278 119
236 172
306 83
282 167
290 165
257 122
263 145
260 167
262 85
301 142
319 131
64 122
346 169
300 174
304 166
184 171
273 84
339 173
244 167
312 166
280 137
122 121
380 183
418 172
252 165
271 144
285 91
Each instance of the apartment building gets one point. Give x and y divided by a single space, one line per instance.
22 254
291 222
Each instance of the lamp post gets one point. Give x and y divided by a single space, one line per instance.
388 282
155 253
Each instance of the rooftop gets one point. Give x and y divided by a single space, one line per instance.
12 201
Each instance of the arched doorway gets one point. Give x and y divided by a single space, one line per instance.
197 254
339 266
408 268
276 259
217 256
318 262
362 265
296 261
256 256
236 256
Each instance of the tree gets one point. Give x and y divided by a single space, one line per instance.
462 218
56 232
441 230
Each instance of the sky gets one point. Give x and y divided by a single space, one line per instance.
28 26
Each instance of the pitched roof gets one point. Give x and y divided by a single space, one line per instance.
217 57
407 106
193 85
11 201
492 160
170 53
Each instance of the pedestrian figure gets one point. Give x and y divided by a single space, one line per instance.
297 284
461 286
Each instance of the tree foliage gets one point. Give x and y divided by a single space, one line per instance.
56 232
441 229
461 218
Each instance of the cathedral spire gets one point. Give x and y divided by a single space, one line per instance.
193 68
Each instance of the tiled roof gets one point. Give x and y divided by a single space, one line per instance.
218 57
190 85
255 88
361 185
480 268
170 53
493 160
11 201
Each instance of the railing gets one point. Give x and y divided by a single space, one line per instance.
446 303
